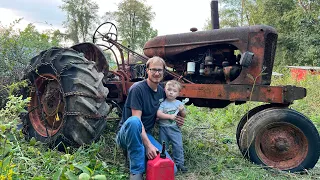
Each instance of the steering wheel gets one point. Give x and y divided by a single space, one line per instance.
103 33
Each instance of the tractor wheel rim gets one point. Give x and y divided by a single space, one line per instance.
51 107
281 145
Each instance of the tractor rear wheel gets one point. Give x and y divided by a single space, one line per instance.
67 99
281 138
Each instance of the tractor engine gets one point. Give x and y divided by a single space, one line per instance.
220 56
208 65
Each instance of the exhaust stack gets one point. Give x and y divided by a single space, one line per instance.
214 14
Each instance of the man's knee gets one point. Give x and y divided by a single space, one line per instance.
133 123
129 132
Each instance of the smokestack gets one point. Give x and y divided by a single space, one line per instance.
214 14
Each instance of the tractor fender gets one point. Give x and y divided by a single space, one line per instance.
93 53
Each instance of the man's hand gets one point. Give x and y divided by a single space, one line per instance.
179 120
151 151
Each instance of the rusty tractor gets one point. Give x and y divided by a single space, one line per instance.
73 92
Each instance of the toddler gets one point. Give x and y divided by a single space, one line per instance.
169 130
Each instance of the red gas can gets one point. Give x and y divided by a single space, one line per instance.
161 167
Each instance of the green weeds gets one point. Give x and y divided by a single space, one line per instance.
211 150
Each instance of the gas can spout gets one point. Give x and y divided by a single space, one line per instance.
163 152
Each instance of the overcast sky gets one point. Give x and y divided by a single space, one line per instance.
172 16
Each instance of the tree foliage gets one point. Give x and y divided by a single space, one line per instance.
296 21
81 17
134 23
232 13
17 47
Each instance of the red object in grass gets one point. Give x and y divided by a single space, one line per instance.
160 168
300 72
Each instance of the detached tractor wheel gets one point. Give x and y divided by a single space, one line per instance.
67 99
281 138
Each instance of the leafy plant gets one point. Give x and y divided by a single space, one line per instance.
17 47
9 119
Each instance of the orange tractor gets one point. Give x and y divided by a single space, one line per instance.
73 92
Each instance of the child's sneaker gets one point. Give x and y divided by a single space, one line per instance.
182 168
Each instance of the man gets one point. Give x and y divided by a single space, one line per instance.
138 118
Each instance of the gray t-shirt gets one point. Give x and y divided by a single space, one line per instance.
169 107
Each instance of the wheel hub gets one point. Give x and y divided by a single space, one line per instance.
46 117
281 145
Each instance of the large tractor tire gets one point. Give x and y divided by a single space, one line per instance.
68 103
281 138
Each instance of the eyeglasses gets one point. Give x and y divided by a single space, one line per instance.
153 70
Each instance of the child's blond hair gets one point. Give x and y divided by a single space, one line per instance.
174 83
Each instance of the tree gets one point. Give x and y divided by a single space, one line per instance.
232 13
302 40
296 21
17 47
81 17
134 23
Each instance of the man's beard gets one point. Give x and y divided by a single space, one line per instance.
156 82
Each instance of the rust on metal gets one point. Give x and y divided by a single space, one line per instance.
260 93
117 89
260 40
93 53
281 145
52 104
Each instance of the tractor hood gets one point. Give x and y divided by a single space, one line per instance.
170 45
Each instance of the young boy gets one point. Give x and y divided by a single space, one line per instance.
169 130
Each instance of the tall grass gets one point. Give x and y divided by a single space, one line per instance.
210 142
310 105
210 145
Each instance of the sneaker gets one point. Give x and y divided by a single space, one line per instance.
136 177
182 168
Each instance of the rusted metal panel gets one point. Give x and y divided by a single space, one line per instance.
291 93
237 93
171 45
115 91
166 46
259 40
93 53
260 93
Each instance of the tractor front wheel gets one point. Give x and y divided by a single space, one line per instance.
281 138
